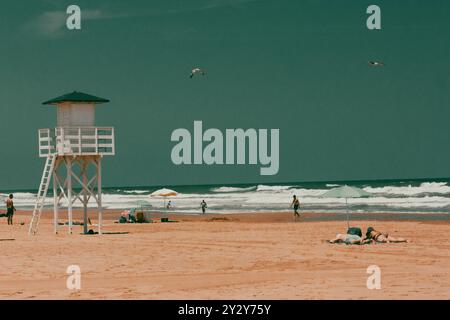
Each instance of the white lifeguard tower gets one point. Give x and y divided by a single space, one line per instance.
73 152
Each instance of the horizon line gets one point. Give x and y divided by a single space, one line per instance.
253 183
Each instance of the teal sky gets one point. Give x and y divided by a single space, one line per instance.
300 66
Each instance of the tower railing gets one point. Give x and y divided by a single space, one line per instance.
76 141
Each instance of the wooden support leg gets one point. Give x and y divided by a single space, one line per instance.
69 191
55 199
99 194
85 164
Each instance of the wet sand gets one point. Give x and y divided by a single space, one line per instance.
239 256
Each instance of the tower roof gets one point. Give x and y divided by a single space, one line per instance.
76 97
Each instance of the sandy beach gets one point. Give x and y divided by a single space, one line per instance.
238 256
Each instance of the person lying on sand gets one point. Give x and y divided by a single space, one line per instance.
349 239
380 237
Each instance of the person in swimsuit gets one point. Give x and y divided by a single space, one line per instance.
380 237
204 206
349 239
296 205
10 209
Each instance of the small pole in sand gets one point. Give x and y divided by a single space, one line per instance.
348 214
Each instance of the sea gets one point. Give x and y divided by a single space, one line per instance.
388 196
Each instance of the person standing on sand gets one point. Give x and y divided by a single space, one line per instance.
296 205
204 206
10 209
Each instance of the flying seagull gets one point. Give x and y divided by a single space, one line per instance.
197 70
376 63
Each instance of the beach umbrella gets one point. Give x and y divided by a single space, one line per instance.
141 207
346 192
164 192
142 203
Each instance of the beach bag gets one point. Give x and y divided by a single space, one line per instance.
123 220
355 231
140 217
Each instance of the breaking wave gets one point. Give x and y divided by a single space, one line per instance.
401 196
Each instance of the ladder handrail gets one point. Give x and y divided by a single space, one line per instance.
42 193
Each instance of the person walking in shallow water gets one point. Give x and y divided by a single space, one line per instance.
204 206
10 209
296 205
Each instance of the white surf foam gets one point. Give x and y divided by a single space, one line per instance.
232 189
428 196
426 187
